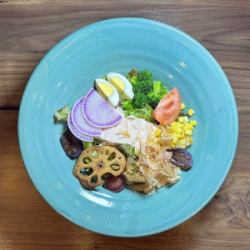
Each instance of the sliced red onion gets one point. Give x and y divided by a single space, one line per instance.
76 132
98 112
79 121
115 184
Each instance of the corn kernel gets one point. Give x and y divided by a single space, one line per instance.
188 132
175 140
182 141
180 132
174 124
188 126
193 122
180 119
183 106
185 119
157 132
190 112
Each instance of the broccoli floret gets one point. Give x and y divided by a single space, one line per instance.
142 87
153 101
145 76
158 87
142 82
127 104
145 113
156 94
133 76
140 100
147 94
132 73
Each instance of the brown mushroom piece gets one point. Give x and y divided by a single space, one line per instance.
95 163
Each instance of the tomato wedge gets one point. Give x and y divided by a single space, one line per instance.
168 109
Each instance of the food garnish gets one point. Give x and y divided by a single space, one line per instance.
62 114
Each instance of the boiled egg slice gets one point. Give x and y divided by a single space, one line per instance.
108 91
122 84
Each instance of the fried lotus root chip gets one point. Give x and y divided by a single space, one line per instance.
96 163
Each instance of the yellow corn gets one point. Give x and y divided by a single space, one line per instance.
181 132
158 132
180 119
188 132
185 119
175 140
190 112
193 122
188 126
182 143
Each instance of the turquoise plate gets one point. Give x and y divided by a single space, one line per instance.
67 72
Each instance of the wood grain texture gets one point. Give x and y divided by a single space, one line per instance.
28 28
27 222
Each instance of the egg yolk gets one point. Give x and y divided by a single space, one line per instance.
118 83
106 89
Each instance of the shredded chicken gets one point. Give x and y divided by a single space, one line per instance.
124 133
130 131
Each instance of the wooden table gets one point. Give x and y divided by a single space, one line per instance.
28 28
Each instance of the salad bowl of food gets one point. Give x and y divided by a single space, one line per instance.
128 127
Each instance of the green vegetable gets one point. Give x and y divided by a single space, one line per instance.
145 76
145 113
129 151
127 104
156 94
96 142
132 74
62 114
147 94
142 82
87 144
140 100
